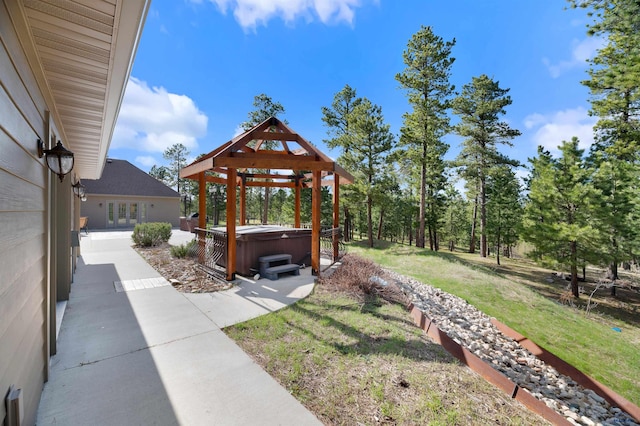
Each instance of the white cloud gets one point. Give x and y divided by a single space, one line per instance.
146 160
252 13
152 119
551 129
581 51
238 131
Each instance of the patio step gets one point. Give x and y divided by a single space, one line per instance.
273 272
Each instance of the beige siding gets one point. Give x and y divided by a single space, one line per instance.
163 210
23 226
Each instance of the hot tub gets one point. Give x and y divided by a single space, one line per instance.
253 241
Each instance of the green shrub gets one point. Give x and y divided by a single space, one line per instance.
183 250
151 234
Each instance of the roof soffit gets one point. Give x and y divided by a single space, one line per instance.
81 53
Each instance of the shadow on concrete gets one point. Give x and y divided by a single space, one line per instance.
104 372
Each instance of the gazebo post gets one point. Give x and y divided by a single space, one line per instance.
297 204
202 215
247 152
315 223
202 201
232 175
336 213
243 200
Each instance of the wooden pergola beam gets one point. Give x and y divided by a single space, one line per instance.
262 184
268 176
192 170
286 163
233 161
275 136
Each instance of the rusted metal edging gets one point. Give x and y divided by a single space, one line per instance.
569 370
484 369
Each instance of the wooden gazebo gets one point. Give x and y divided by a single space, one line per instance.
243 161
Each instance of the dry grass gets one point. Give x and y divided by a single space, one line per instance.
354 358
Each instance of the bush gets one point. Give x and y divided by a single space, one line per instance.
363 279
184 250
151 234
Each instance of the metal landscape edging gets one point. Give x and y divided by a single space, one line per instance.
569 370
484 369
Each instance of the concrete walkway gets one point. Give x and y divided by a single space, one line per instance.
151 355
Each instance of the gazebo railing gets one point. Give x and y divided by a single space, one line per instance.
332 244
212 251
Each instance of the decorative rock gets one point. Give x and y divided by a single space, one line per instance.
472 329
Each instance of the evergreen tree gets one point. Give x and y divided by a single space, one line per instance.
177 156
557 219
161 173
617 211
614 84
265 108
338 119
504 209
426 78
455 220
366 148
479 107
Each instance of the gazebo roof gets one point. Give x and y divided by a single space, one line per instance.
251 153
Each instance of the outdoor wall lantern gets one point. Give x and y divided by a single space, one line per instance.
78 189
59 159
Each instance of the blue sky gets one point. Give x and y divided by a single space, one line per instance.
201 62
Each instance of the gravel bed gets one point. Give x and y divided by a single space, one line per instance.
473 329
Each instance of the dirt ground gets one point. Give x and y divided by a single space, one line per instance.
184 274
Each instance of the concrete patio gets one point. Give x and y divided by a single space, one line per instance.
156 356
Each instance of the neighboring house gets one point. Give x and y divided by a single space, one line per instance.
125 196
64 66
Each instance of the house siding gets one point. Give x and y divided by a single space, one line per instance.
164 209
24 218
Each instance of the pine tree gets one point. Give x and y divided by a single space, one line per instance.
338 119
504 208
614 84
265 108
426 78
456 223
557 219
479 107
366 148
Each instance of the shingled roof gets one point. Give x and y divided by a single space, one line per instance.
123 178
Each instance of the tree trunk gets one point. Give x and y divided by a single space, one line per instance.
483 217
380 223
420 236
498 246
347 225
436 245
265 212
369 221
574 269
472 242
613 275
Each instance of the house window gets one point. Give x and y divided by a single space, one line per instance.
143 212
122 214
133 214
110 218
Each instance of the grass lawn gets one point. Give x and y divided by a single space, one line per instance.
526 298
360 361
